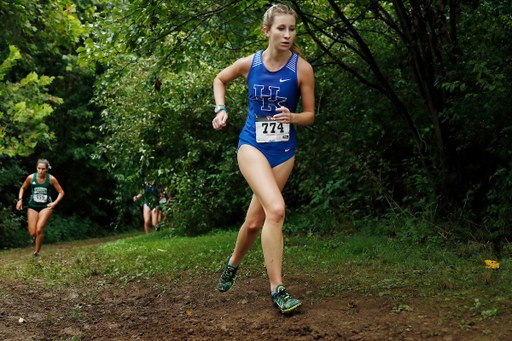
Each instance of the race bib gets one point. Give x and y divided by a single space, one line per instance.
268 130
40 198
40 195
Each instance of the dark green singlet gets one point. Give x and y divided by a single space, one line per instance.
40 192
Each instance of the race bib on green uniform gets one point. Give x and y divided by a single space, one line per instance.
40 195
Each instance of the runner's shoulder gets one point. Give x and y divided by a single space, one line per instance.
304 67
243 64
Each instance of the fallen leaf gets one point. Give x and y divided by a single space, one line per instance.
244 301
384 293
356 273
189 313
21 320
491 264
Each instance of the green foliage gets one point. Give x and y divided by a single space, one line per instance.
368 170
175 33
10 233
40 25
23 110
14 229
10 220
61 229
168 134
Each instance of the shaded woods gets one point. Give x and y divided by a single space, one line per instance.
411 138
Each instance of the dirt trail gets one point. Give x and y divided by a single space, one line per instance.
7 256
145 310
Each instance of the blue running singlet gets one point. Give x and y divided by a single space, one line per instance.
267 92
151 195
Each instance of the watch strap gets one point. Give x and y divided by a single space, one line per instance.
219 108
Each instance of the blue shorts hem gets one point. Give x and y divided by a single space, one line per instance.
275 157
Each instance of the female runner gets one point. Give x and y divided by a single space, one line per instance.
40 205
151 208
276 78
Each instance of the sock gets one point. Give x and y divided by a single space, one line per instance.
229 263
272 294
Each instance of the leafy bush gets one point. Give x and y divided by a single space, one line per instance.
61 229
10 233
14 229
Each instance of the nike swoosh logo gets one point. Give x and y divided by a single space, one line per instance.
283 80
286 150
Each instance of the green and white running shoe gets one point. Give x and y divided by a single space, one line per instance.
227 279
284 301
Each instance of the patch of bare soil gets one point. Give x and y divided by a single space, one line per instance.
197 311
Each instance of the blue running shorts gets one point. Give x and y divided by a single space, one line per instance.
275 157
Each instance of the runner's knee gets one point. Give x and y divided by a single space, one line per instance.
275 211
254 224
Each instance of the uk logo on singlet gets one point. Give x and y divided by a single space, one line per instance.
269 97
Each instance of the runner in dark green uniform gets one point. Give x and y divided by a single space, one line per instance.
151 204
40 204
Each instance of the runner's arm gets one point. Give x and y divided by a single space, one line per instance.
306 79
56 185
28 180
239 68
138 195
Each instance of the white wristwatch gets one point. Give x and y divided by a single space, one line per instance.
219 108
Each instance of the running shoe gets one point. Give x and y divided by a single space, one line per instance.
36 255
227 279
284 301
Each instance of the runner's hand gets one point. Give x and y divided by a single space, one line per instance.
219 121
284 117
19 205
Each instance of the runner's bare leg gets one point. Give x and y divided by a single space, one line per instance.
255 167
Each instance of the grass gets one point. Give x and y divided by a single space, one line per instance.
370 265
